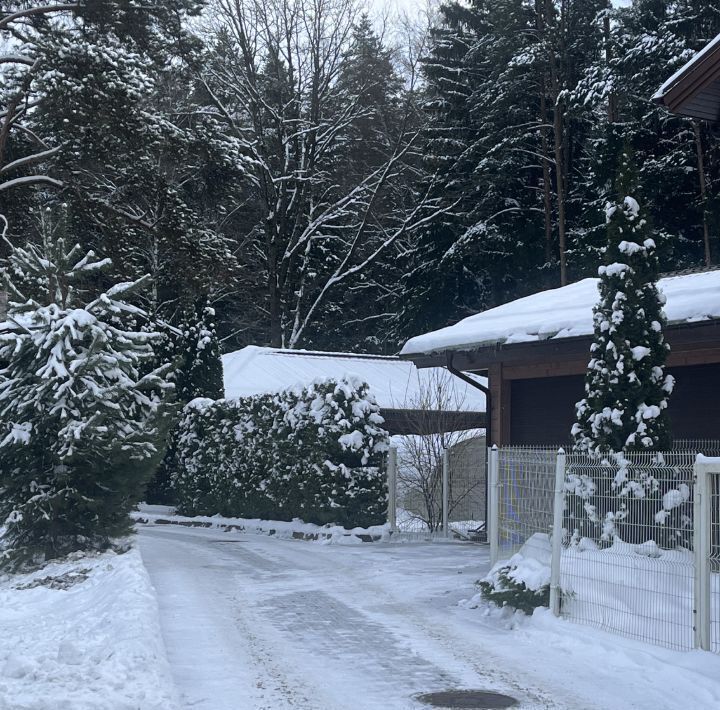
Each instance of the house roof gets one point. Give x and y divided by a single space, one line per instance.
395 383
694 89
563 313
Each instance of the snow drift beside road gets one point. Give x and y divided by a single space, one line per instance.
83 634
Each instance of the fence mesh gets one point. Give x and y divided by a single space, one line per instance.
627 564
526 486
467 483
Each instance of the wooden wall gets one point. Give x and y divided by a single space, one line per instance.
542 410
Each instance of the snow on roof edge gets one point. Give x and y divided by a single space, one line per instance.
563 313
686 67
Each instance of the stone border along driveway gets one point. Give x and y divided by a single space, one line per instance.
234 527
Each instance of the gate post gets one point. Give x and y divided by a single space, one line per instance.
392 488
446 492
493 498
557 531
704 466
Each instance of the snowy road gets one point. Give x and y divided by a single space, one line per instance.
252 623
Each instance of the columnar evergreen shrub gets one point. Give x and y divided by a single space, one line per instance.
626 388
314 454
80 428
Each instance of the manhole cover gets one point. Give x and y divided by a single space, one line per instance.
475 699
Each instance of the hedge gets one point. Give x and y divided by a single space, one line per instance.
315 454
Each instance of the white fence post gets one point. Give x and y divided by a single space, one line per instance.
557 531
492 523
701 546
446 492
392 488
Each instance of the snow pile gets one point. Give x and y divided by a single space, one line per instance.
566 312
639 591
83 634
529 566
523 581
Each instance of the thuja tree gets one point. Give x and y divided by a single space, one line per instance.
80 427
626 389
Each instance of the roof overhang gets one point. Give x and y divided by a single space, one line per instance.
690 343
694 90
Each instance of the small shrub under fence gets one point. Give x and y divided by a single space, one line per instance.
315 454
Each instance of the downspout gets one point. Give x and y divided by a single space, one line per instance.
474 383
488 412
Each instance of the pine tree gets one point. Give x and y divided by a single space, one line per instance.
626 389
80 428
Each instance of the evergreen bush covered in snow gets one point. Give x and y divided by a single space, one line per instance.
315 454
194 349
80 427
523 581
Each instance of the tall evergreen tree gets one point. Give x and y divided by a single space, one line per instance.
626 388
80 428
505 148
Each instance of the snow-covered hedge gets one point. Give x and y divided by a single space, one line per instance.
315 454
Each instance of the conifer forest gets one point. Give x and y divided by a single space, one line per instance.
300 173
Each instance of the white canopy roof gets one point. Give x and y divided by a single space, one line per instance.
563 313
395 383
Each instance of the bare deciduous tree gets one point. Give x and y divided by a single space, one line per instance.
420 456
274 79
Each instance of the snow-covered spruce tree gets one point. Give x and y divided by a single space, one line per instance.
80 428
194 349
626 388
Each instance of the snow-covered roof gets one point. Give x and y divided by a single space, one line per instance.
563 313
689 66
395 383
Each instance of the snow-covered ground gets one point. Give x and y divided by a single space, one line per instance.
83 634
253 622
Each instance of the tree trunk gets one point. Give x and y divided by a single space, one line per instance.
558 141
547 179
703 191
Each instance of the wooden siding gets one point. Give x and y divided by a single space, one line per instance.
704 105
543 409
410 421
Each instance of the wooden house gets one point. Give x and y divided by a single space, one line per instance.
535 351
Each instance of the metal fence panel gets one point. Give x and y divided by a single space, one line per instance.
467 486
624 552
526 488
424 502
627 564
